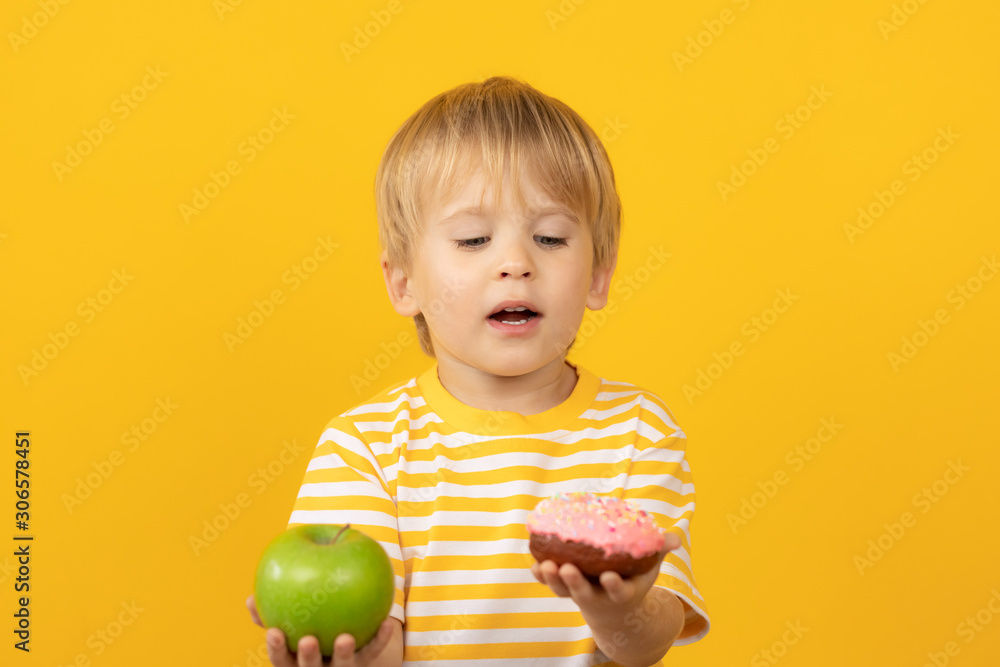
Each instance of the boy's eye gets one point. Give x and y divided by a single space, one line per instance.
547 241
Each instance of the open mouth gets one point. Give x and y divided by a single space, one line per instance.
519 315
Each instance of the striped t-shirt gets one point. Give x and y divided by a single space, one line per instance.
446 489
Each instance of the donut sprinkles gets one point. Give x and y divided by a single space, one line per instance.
612 525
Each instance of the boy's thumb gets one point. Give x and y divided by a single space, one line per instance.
673 541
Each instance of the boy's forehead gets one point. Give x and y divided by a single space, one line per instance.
471 196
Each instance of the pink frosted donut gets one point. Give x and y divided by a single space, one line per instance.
595 533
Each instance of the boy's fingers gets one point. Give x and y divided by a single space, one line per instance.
578 586
343 651
252 606
277 652
550 572
308 652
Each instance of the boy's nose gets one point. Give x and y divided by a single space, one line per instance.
516 261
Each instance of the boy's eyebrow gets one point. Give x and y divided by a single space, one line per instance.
477 211
461 213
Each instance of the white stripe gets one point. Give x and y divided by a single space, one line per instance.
391 406
386 426
349 488
593 413
682 553
573 661
354 445
665 481
427 494
617 383
559 437
497 606
671 569
528 487
512 545
495 462
612 395
659 454
664 417
496 636
646 431
472 518
459 577
333 461
663 507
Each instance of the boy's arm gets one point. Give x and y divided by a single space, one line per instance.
643 636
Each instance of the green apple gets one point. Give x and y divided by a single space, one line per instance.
323 580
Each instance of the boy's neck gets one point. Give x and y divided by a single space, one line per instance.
527 394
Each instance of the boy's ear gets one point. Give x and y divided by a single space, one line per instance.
397 283
600 285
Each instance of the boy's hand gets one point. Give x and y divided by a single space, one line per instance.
605 604
309 654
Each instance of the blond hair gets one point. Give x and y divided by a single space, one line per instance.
515 126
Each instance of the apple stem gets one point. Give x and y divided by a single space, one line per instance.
337 536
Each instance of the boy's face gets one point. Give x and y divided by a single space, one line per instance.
466 265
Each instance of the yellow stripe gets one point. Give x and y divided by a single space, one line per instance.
480 592
554 619
367 503
502 475
454 504
486 562
554 649
510 445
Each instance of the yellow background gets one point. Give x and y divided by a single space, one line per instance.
679 131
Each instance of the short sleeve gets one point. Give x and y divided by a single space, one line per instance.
345 483
660 482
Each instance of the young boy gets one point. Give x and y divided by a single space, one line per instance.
499 223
